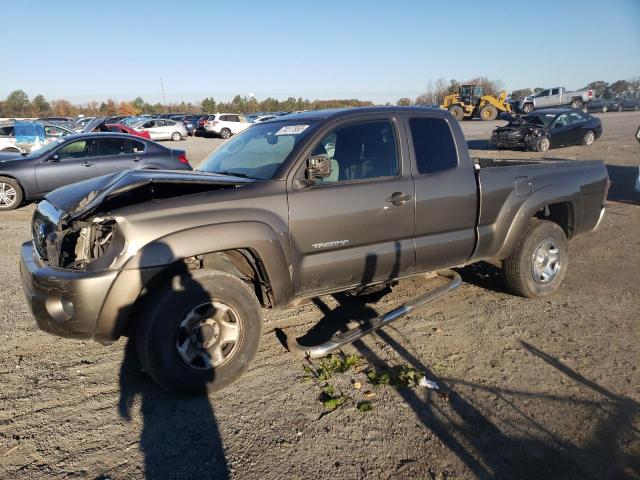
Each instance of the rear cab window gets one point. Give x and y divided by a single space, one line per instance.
433 145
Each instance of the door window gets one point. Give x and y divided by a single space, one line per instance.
555 91
77 149
115 146
562 121
359 152
575 118
433 145
544 93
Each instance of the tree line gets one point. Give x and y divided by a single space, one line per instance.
18 104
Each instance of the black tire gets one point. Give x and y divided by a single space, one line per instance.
576 104
488 112
527 107
457 112
521 268
588 138
225 133
176 137
161 330
11 195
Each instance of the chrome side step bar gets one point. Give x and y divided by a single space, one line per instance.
353 334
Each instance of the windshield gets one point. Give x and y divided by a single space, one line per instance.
258 151
45 148
540 119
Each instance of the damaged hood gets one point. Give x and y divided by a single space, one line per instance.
81 198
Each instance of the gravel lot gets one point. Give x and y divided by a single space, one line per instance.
528 388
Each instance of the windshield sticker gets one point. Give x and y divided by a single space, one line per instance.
292 130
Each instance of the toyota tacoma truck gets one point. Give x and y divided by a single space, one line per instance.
556 97
290 209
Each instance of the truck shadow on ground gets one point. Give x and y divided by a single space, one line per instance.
623 179
180 436
532 450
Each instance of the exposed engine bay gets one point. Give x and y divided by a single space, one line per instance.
521 132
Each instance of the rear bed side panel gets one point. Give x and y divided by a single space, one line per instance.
504 215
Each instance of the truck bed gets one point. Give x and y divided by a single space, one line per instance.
514 190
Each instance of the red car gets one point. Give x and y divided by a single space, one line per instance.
118 127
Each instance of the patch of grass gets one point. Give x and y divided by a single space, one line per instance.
364 406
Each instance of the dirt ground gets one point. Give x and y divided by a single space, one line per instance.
527 388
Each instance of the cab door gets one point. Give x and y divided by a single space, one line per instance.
446 193
356 226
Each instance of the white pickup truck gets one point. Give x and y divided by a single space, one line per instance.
556 97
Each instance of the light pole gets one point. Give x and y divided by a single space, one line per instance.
164 103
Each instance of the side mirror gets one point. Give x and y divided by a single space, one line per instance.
318 166
54 158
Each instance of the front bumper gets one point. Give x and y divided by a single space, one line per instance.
63 302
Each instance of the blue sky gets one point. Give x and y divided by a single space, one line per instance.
376 50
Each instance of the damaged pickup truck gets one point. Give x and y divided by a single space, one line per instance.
293 208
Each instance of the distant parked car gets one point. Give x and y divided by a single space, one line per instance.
79 157
601 105
163 129
225 124
627 104
190 122
120 128
49 132
545 129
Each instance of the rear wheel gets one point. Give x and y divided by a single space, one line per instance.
457 112
539 264
10 194
199 334
176 137
589 138
620 109
576 104
225 133
489 112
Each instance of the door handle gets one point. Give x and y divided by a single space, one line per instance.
398 198
88 164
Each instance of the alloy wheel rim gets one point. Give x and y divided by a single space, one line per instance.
8 194
545 261
589 139
544 144
209 336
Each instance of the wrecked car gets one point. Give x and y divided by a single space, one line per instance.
290 209
76 157
544 129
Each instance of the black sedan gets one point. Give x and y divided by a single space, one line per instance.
79 157
545 129
601 105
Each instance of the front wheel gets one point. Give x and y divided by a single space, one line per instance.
199 333
527 108
10 194
489 112
543 144
539 264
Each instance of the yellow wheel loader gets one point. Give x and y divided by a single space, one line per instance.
469 102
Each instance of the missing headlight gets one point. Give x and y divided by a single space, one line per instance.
92 245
